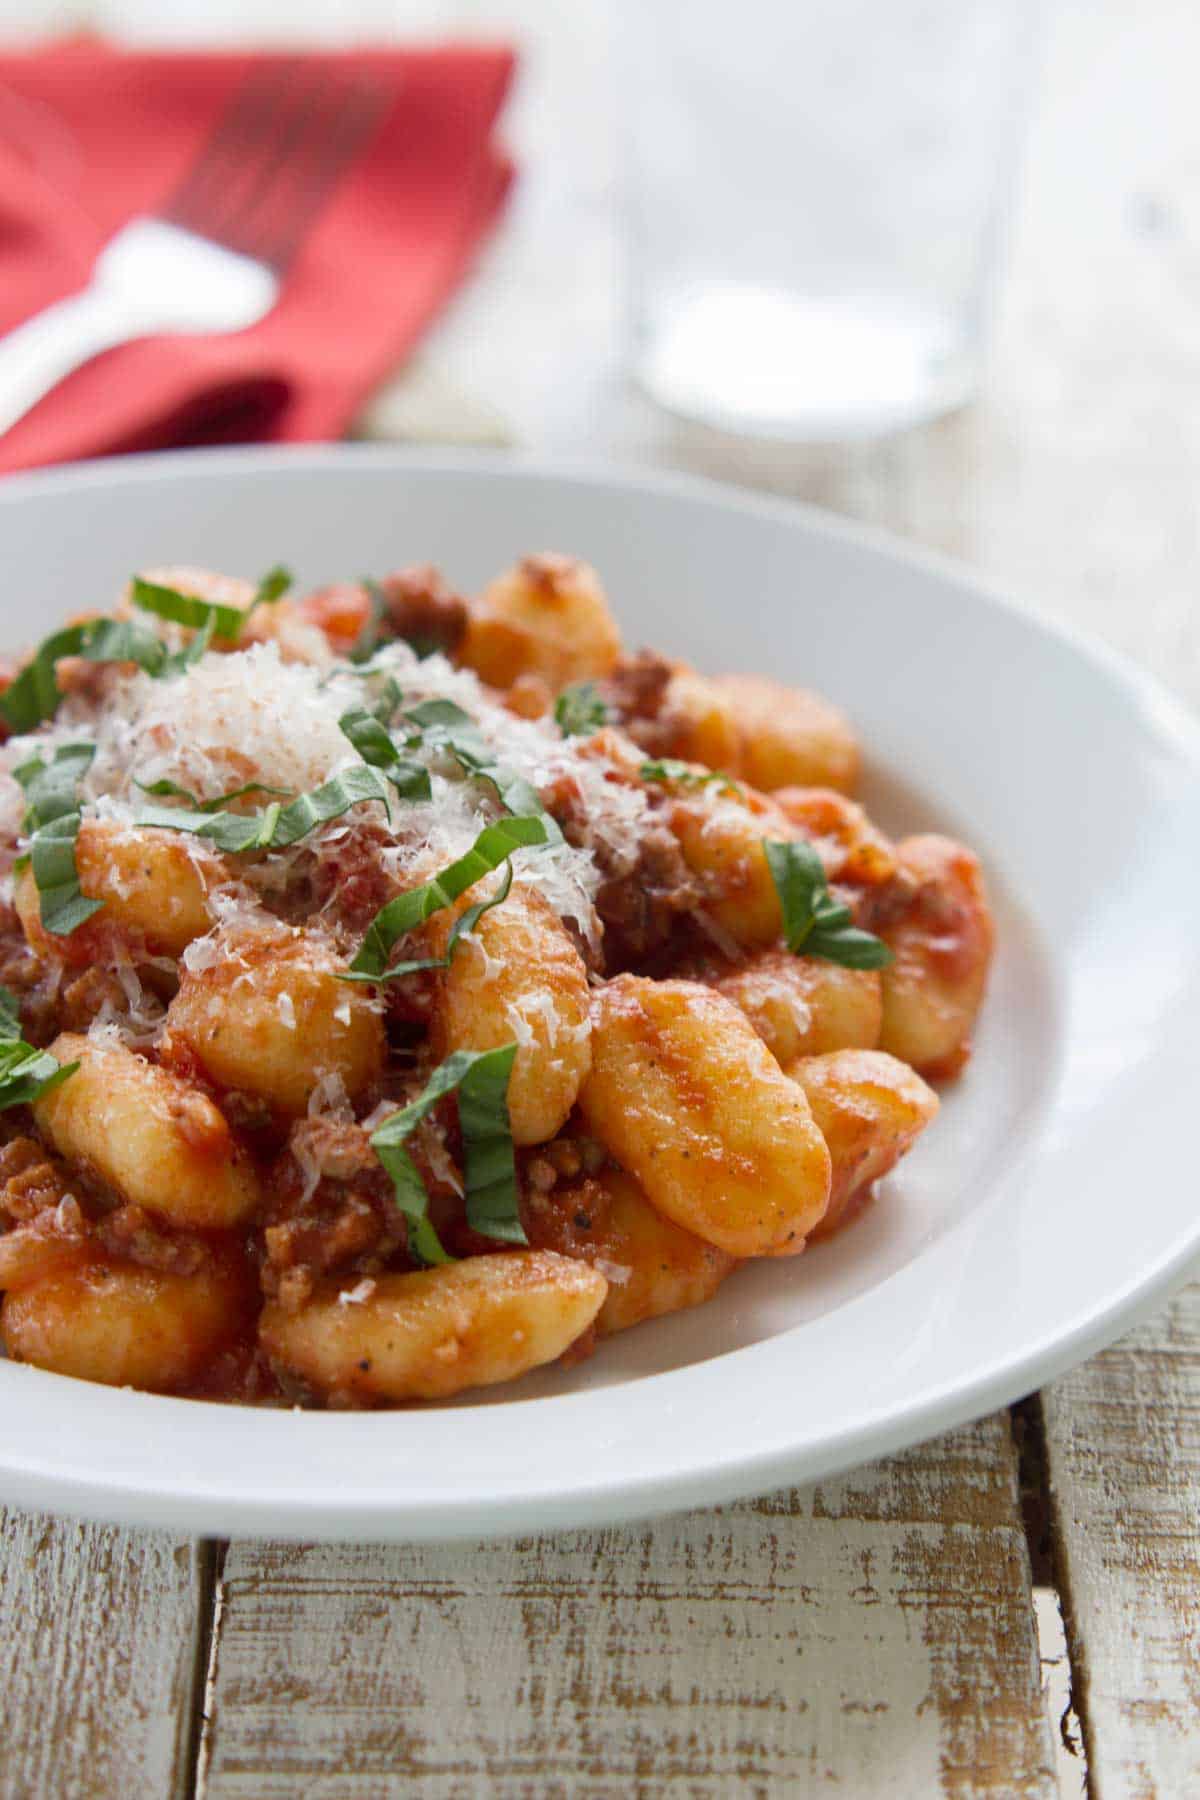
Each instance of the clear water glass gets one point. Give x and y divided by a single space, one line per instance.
817 189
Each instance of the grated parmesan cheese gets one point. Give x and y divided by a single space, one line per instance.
269 713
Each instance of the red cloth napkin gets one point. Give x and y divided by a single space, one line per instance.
91 135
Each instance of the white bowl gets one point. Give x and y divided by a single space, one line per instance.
1049 1205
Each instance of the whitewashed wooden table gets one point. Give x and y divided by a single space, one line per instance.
888 1633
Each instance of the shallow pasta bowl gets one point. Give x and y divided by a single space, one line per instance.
1038 1218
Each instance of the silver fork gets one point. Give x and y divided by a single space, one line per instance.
213 258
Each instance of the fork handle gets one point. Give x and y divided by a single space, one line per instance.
38 354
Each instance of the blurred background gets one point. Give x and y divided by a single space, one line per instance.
828 248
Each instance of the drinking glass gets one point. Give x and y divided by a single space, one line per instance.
817 189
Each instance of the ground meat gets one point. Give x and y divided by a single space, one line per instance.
420 608
642 908
134 1235
32 1178
350 879
646 889
332 1210
85 996
635 695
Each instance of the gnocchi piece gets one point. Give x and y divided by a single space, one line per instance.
652 1265
154 885
271 1018
518 975
158 1141
427 1335
721 836
871 1108
942 942
850 846
697 722
47 1243
803 1005
685 1095
128 1326
789 736
547 616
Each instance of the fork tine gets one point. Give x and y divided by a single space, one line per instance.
303 183
248 125
284 140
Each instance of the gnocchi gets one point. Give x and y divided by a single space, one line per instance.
411 991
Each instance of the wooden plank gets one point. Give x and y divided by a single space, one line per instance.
100 1646
871 1636
1123 1449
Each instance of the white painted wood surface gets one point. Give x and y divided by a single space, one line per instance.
101 1640
870 1636
1123 1443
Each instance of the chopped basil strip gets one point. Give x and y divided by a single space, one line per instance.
814 923
403 914
52 820
208 806
62 903
185 609
273 586
35 693
481 1078
276 826
10 1017
25 1073
182 660
668 768
207 615
388 703
368 639
466 743
50 789
579 711
374 744
461 928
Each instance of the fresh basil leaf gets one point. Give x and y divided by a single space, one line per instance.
407 911
373 743
388 703
35 694
52 820
276 826
446 716
461 928
814 923
10 1017
182 660
481 1078
208 806
51 788
368 639
25 1073
669 768
579 711
62 904
466 743
853 948
185 609
273 586
490 1176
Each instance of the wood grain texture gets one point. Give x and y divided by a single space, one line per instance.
1123 1448
869 1636
99 1649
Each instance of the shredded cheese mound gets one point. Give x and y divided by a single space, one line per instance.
255 715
